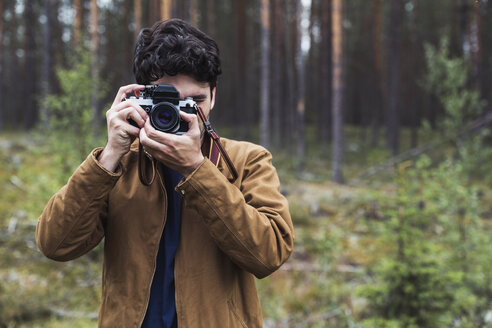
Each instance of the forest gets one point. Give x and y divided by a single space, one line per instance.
378 114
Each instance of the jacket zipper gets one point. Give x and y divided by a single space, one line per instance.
155 253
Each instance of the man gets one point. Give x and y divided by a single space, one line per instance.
183 251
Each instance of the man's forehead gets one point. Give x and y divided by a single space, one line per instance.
186 85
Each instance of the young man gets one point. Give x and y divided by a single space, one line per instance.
184 251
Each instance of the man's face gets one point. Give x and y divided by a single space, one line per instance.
189 87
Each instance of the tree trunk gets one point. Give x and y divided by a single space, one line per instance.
13 68
94 34
463 23
182 9
78 22
476 40
94 37
289 109
485 69
392 118
415 108
48 58
277 81
137 11
194 12
31 110
379 103
211 18
454 40
265 76
241 112
326 59
300 108
337 87
154 11
313 78
166 9
59 52
128 43
2 63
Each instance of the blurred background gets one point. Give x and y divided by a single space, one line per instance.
377 112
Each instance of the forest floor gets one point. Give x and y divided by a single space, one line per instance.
319 286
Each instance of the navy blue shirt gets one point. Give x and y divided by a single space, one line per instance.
161 311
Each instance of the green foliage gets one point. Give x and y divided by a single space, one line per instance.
436 271
413 251
447 79
409 285
69 116
31 286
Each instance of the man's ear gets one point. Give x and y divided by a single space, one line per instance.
212 98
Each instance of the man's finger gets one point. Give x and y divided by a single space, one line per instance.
159 136
130 113
129 104
192 120
150 141
123 91
135 117
139 109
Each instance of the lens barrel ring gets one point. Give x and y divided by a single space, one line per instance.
164 116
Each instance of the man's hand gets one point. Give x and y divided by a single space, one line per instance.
181 153
120 132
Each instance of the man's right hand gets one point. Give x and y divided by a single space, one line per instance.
121 133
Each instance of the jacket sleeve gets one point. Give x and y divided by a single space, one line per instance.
72 222
252 223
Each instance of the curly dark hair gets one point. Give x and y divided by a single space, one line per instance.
174 47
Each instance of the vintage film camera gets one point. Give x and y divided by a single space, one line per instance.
162 104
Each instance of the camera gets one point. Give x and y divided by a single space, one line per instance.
162 104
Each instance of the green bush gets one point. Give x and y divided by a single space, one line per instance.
437 270
69 117
447 79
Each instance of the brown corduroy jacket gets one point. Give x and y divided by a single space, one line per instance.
230 233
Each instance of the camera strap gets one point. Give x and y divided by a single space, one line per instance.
216 149
214 155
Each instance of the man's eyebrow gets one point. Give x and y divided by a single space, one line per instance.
199 97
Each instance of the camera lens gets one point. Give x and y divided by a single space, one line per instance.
165 117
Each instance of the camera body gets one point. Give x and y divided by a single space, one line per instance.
162 103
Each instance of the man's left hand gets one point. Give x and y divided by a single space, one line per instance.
181 153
